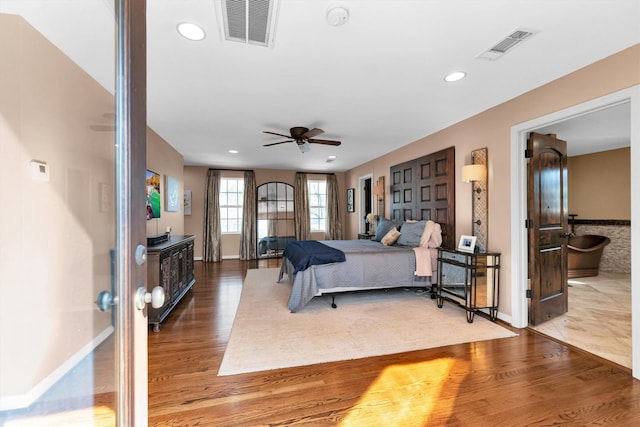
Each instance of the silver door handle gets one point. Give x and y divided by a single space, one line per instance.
156 297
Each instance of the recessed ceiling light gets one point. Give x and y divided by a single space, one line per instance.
455 76
333 157
337 16
190 31
233 151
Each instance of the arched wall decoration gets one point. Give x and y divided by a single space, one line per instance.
275 218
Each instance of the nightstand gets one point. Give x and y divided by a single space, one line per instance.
470 280
366 236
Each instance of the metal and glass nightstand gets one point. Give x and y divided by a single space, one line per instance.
366 236
470 280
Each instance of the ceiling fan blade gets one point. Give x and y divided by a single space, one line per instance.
311 133
324 141
277 134
102 128
276 143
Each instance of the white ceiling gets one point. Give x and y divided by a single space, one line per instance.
605 129
375 83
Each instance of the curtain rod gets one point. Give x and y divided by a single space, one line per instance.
316 173
232 170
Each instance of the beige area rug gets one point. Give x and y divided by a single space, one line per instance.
265 335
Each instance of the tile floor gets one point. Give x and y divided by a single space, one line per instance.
599 317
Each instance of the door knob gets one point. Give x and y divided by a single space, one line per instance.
155 297
105 300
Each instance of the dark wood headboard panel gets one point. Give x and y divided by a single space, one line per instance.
425 188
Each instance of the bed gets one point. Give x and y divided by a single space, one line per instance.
368 264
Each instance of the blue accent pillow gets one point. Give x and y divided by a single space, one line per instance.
411 232
384 226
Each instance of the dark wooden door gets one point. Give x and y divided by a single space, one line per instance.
547 200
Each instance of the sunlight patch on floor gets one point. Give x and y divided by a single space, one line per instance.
97 416
404 395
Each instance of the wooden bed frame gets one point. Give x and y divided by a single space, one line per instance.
424 188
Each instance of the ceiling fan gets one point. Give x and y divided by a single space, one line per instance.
303 137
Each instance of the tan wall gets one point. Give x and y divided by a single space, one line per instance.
492 129
165 160
195 178
56 235
600 185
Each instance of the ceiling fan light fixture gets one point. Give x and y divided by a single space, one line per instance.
454 76
191 31
304 147
337 16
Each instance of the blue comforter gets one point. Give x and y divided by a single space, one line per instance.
305 253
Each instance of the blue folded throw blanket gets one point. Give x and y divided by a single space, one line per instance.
304 253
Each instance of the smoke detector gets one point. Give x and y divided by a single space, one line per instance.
337 16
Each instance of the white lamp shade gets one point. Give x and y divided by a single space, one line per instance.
474 173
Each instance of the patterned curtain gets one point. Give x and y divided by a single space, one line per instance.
334 225
301 207
212 248
249 237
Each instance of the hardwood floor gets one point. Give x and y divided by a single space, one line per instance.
529 380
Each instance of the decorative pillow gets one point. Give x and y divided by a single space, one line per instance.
391 237
411 233
384 226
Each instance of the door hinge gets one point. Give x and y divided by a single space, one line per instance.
528 223
529 293
528 153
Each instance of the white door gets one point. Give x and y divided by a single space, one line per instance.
72 164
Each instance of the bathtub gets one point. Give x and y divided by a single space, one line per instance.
584 254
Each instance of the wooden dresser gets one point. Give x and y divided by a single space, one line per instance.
170 265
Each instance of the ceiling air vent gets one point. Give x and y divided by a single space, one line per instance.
248 21
506 44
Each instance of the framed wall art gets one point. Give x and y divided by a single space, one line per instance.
171 195
350 200
187 202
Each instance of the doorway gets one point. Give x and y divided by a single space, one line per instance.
365 186
519 272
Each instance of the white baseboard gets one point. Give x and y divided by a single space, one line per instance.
27 399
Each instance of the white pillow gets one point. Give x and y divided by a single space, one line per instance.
391 237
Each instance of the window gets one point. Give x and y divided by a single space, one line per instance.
231 200
318 204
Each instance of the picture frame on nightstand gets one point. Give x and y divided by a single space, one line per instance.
467 244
